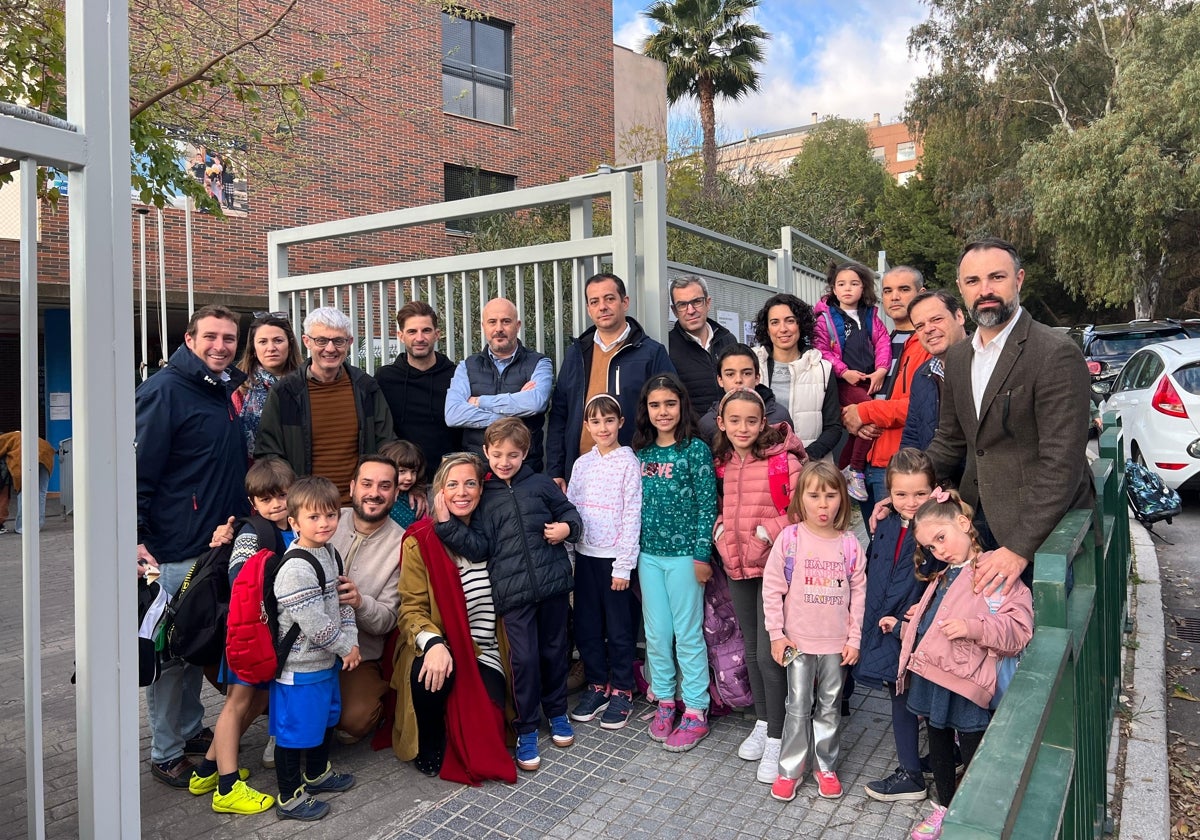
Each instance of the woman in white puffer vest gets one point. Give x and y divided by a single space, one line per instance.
796 373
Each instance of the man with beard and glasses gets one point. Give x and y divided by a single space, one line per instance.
504 379
1015 405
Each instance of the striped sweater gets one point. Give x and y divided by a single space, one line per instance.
327 629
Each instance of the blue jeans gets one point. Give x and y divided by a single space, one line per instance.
876 490
673 612
173 701
43 485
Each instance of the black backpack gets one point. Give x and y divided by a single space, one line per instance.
195 618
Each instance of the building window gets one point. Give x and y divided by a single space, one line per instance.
465 182
879 154
903 178
906 151
477 69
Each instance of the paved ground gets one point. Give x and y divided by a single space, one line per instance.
610 784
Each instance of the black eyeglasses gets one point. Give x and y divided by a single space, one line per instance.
694 303
322 341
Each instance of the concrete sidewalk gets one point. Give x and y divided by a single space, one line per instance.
609 784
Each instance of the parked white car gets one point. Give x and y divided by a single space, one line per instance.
1157 395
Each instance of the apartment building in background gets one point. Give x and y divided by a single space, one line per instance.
892 144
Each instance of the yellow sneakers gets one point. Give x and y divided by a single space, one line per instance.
200 785
243 799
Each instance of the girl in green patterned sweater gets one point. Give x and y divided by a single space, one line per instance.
679 507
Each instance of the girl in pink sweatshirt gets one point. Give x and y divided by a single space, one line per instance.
757 466
954 643
814 589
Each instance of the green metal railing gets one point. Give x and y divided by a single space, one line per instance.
1040 771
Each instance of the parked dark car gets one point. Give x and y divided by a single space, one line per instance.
1107 347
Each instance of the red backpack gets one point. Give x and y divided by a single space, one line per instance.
253 648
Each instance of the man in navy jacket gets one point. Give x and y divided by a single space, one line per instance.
631 357
191 475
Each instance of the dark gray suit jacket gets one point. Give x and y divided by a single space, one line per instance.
1025 454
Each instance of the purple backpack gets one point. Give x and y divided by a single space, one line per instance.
730 684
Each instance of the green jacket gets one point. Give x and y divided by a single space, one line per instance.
285 430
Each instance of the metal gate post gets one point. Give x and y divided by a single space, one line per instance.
652 297
102 330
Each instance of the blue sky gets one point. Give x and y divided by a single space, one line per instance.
847 58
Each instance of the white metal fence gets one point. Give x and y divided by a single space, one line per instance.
92 145
544 281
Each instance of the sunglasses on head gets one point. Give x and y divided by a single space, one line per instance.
262 316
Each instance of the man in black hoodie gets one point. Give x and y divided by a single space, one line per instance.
415 386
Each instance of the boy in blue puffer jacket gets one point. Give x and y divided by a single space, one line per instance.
519 529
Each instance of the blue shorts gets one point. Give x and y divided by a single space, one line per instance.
300 714
226 677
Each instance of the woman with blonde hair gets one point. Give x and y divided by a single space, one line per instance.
450 668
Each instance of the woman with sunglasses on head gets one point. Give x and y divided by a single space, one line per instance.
271 352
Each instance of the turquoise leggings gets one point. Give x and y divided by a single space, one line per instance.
673 613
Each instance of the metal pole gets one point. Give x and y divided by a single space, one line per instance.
102 380
162 292
31 587
187 223
145 367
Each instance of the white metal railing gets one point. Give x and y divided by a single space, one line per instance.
92 145
544 281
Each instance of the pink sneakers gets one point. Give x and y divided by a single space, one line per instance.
828 784
784 789
664 721
692 730
930 828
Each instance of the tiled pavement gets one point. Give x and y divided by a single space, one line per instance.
609 784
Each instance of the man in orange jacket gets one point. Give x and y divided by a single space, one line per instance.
883 419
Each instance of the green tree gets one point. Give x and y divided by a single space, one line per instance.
1120 197
710 50
217 72
915 231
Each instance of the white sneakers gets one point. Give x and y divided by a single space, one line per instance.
752 748
268 757
768 766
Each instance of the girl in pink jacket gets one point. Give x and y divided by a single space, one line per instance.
757 466
851 337
953 643
814 589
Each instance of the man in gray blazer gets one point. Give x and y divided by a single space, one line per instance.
1015 404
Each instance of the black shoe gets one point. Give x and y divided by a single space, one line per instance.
430 765
927 768
199 743
176 773
901 786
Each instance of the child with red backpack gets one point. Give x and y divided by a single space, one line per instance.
267 485
757 466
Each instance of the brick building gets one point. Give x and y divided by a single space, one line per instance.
522 97
893 145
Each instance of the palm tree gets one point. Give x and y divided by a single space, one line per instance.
710 50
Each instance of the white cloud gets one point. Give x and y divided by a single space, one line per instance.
633 32
856 71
